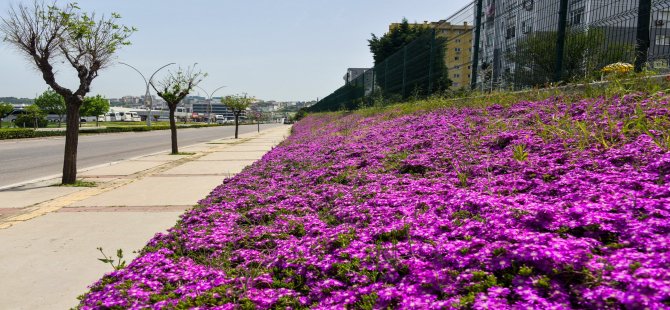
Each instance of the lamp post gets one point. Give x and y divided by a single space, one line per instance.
209 102
147 96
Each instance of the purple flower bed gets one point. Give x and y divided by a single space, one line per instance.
550 205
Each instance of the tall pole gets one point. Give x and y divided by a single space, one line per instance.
560 39
643 41
209 102
147 95
475 46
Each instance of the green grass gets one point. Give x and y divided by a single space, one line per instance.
79 183
183 153
641 82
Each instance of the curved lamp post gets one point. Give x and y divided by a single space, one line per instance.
147 96
209 102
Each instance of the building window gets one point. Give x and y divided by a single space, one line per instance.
458 49
457 58
510 31
458 40
662 39
457 75
526 27
577 17
455 84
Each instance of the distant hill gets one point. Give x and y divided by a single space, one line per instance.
14 100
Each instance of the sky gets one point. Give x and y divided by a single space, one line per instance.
284 50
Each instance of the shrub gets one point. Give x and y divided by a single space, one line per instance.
26 121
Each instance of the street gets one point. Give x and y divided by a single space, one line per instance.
28 159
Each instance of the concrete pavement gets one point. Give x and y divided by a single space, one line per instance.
49 235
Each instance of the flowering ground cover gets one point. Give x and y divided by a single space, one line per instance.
550 205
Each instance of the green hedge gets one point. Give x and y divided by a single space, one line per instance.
21 133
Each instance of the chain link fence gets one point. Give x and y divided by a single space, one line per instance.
516 44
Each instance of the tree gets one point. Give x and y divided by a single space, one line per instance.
52 103
394 40
237 104
34 112
173 88
94 106
5 110
47 35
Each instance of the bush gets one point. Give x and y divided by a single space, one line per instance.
26 121
22 133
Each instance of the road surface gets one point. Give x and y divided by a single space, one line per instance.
28 159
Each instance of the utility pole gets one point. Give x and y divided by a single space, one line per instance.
147 95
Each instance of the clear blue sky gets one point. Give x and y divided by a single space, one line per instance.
271 49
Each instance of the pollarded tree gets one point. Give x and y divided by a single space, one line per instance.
47 35
95 106
5 110
173 89
237 104
52 103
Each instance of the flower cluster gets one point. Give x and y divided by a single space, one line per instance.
553 204
619 68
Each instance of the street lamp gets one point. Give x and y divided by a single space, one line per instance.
147 96
209 102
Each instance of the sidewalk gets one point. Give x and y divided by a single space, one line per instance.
49 235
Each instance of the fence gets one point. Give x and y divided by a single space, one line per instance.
417 69
517 44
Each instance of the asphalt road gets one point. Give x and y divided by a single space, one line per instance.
29 159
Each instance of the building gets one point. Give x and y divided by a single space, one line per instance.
353 73
506 23
458 51
457 39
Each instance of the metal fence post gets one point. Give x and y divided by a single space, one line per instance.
431 62
643 41
404 69
475 46
386 75
560 39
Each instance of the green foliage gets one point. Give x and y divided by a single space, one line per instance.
520 153
585 54
367 302
80 183
392 41
94 106
117 264
34 117
52 103
301 114
5 110
23 133
237 103
176 86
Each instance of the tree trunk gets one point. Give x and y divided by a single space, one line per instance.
71 142
237 122
259 125
173 131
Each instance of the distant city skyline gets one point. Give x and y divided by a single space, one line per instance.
294 50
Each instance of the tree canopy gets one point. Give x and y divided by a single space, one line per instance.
5 109
94 106
52 103
392 41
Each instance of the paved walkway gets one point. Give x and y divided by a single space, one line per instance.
49 234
